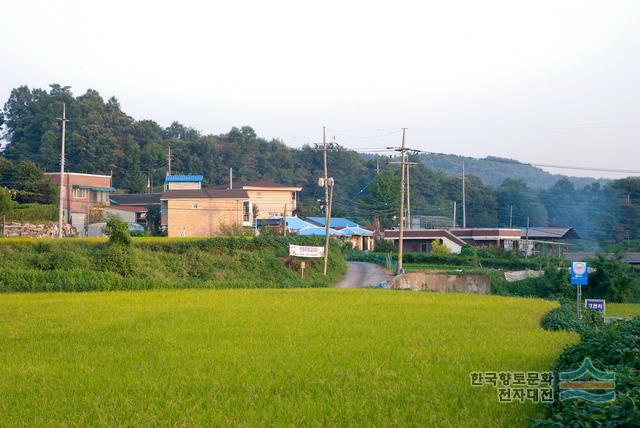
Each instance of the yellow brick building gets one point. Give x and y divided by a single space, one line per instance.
268 198
205 212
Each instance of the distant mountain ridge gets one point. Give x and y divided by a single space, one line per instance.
494 170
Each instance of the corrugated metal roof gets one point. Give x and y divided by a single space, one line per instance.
204 194
136 199
357 230
259 183
337 222
423 234
550 232
183 179
318 231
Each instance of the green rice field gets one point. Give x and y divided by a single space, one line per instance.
623 309
256 357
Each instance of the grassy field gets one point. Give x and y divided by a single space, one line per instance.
266 357
623 309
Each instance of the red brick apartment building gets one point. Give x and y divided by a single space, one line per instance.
81 193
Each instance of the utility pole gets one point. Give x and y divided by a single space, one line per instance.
408 198
526 253
326 182
377 166
453 226
284 219
403 163
230 178
169 161
61 208
464 201
510 216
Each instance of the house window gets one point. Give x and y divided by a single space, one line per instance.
246 212
80 193
194 206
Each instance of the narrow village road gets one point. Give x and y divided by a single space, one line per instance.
362 274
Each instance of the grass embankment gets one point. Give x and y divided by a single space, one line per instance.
266 357
32 213
93 264
623 309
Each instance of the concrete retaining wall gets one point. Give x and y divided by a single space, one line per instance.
438 281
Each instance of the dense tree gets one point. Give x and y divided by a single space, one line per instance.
101 138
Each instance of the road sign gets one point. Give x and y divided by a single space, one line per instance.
597 305
579 273
306 251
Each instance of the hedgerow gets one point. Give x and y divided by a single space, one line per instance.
611 347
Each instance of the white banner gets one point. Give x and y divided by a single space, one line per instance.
304 251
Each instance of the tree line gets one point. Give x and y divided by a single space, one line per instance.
103 139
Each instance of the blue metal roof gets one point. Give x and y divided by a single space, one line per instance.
335 222
183 179
358 231
296 223
316 230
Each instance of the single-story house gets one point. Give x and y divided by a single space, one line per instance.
507 239
204 212
548 240
361 238
421 240
128 213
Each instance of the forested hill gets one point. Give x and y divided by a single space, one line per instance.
494 170
102 139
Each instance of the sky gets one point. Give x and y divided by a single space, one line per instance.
549 82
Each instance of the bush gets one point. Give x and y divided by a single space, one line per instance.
438 249
117 230
566 318
613 347
117 258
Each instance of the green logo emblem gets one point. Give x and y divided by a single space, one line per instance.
578 383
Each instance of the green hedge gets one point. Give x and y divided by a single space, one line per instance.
611 347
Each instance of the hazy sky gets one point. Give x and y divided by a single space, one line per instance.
554 82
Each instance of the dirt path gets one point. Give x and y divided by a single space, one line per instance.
362 274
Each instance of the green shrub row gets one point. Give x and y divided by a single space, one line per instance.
611 347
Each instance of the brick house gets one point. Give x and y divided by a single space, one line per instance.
81 193
204 212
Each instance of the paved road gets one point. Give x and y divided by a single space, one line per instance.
361 274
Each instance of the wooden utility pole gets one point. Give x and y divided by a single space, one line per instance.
408 198
63 119
326 182
454 214
526 253
403 163
510 216
169 161
464 201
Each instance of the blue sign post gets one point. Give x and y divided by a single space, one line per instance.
579 277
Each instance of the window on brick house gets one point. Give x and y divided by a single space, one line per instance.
80 193
194 206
